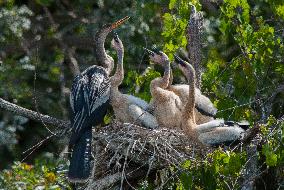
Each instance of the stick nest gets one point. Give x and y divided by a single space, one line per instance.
130 151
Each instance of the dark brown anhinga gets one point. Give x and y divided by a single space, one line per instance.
89 100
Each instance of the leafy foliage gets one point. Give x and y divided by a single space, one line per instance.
44 174
141 86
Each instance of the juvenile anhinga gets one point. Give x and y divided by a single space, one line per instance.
127 108
204 108
188 124
89 101
165 105
211 133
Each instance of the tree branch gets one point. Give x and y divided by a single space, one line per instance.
33 115
194 40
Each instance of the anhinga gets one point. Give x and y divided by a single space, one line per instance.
211 133
127 108
89 101
204 108
165 105
188 124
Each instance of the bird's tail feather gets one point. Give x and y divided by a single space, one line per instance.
209 125
221 135
80 163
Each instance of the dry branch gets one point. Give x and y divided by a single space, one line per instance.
33 115
73 64
194 38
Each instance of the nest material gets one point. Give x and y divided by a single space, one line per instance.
129 151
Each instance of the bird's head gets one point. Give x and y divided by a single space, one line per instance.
157 56
101 55
184 66
116 43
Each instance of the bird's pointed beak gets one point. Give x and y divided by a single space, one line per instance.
119 22
179 61
149 52
115 37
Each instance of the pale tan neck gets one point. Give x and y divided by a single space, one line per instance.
118 76
171 78
189 107
163 82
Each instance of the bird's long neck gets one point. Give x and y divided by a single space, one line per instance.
167 75
101 55
161 82
171 78
118 76
189 107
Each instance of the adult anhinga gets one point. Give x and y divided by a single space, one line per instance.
89 100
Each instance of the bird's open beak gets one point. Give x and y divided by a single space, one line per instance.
149 52
179 60
119 22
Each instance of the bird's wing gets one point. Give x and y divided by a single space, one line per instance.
99 91
137 101
204 104
88 99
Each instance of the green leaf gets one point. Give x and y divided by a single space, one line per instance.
172 4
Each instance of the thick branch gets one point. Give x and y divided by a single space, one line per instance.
105 182
33 115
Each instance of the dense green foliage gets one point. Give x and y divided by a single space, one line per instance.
44 174
243 75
